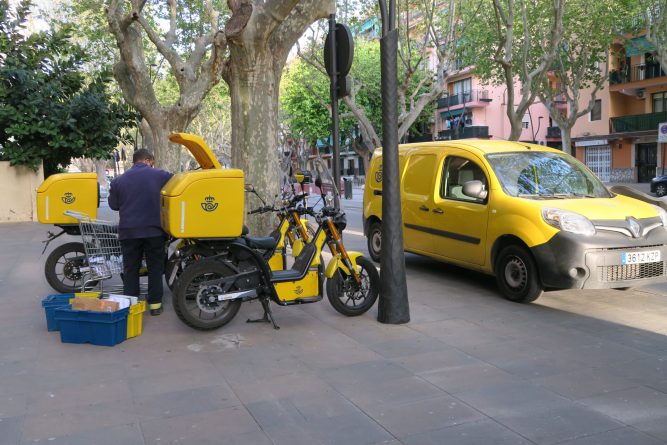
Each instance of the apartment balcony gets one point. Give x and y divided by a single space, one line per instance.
560 101
553 133
636 73
473 131
637 122
468 99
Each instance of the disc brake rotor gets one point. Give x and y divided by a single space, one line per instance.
207 298
72 270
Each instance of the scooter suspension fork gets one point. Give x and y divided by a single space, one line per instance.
340 247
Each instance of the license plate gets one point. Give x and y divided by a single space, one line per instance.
649 256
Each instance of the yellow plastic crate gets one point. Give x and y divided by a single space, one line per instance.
135 319
85 295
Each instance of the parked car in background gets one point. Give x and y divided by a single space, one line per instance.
659 185
104 193
533 216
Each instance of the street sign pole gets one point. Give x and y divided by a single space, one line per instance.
338 56
335 130
393 307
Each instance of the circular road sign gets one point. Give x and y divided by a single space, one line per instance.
344 51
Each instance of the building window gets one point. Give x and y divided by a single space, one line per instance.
525 121
596 112
462 86
660 102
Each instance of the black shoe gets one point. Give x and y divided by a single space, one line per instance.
157 311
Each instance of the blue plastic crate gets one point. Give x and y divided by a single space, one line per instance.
97 328
50 303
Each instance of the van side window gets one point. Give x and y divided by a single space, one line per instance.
456 172
419 175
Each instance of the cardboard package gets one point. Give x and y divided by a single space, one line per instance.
94 304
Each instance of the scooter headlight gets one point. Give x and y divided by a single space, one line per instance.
568 221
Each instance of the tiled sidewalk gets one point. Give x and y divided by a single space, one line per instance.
470 368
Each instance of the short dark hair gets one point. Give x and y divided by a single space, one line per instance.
142 155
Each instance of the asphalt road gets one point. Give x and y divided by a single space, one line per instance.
356 241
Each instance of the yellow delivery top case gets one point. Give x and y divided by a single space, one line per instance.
203 204
67 191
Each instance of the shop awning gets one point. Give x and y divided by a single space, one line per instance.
638 46
450 114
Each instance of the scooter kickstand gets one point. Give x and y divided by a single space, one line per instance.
268 315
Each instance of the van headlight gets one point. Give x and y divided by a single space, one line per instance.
663 215
568 221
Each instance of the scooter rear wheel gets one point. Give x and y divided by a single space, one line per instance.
195 301
63 268
348 297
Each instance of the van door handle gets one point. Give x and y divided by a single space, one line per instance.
424 209
438 211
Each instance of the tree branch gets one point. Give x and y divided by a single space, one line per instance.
300 18
170 37
162 46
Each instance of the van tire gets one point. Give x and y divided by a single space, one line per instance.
517 276
375 241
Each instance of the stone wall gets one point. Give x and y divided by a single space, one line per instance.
623 175
18 196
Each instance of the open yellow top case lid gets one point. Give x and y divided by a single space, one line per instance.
196 145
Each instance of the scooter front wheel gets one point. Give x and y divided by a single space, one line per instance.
196 294
349 297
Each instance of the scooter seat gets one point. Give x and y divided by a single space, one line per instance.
261 242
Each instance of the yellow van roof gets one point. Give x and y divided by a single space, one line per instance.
482 146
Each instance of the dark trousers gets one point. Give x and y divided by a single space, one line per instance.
133 252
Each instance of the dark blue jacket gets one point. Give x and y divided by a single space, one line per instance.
136 194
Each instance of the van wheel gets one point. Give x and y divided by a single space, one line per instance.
516 274
375 241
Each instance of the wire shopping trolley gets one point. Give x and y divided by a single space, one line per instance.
102 247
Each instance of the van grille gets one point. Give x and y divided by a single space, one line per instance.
631 271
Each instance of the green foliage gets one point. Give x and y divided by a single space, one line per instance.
305 94
590 28
304 90
48 111
482 43
192 18
366 72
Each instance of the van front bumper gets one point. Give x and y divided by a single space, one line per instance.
569 261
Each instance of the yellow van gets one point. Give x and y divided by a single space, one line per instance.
534 217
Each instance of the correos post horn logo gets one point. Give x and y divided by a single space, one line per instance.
209 204
68 198
378 175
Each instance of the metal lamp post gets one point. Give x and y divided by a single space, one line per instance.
393 307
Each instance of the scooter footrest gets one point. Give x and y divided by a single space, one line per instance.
278 276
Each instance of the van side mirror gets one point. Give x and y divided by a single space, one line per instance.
475 189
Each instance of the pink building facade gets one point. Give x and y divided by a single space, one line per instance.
471 109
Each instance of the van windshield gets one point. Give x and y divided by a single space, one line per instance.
545 175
